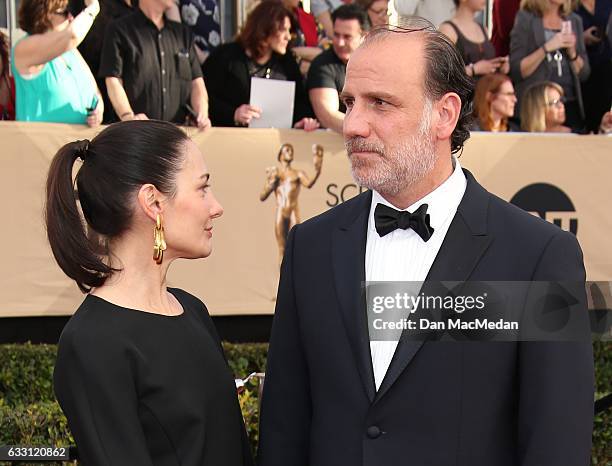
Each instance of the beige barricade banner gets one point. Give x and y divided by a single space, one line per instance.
563 178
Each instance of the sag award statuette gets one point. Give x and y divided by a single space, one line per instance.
285 181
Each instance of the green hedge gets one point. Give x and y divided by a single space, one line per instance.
29 414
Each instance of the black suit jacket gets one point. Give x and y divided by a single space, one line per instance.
441 403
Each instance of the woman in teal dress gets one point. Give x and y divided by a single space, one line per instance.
53 82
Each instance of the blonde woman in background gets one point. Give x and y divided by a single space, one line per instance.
547 44
543 109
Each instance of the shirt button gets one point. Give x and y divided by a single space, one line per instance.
159 36
162 53
164 89
373 432
163 71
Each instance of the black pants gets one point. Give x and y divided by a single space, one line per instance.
597 94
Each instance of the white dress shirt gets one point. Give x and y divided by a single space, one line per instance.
403 256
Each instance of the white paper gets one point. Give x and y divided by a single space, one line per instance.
275 99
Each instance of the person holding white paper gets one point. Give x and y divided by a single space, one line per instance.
260 51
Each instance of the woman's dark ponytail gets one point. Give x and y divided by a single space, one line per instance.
116 163
66 231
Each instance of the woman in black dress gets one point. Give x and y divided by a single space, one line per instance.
140 372
472 40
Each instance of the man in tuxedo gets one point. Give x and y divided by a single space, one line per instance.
334 396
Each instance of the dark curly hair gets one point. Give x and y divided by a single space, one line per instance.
444 72
34 14
265 20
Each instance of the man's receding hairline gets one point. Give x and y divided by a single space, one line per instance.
377 37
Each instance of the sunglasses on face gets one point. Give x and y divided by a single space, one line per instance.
384 12
62 12
556 103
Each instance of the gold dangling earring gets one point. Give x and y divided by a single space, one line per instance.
159 243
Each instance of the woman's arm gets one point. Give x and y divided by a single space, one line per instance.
215 70
34 51
581 63
524 60
95 117
96 387
306 53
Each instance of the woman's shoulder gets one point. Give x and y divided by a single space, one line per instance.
289 64
525 16
450 29
229 49
188 300
94 323
224 57
576 19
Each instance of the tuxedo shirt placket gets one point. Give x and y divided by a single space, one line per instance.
402 256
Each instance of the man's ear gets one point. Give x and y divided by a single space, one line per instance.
150 201
448 109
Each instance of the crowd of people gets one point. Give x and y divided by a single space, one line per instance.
134 59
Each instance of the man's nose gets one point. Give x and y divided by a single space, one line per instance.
356 123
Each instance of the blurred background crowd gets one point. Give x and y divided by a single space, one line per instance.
545 65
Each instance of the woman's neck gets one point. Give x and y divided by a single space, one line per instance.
465 14
140 283
496 121
589 5
154 12
264 58
552 13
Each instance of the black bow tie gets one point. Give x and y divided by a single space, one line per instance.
388 219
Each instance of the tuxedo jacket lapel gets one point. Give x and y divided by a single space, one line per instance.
348 259
464 244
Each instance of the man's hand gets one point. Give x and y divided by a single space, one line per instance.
130 116
202 121
307 124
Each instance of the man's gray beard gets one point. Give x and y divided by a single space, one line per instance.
398 168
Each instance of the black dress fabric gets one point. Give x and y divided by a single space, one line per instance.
143 389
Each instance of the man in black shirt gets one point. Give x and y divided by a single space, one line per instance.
327 71
91 47
151 68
